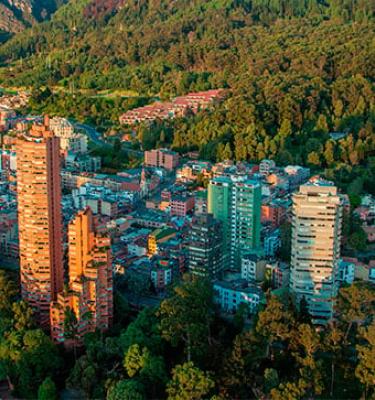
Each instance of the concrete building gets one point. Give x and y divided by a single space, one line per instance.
229 295
163 158
70 141
161 273
278 274
82 162
316 239
181 205
205 247
346 271
237 204
39 218
266 166
252 268
158 236
90 292
271 243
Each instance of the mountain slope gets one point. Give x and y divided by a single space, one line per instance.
139 44
16 15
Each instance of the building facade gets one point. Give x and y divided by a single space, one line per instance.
90 291
162 158
39 217
316 239
237 204
70 141
205 247
229 295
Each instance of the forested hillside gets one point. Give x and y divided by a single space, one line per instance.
141 44
296 71
19 14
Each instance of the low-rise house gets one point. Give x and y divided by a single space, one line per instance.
266 166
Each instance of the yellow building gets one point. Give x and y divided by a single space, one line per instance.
159 235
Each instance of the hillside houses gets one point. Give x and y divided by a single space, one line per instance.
180 106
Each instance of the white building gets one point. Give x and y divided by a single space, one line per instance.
252 268
316 239
230 295
346 272
266 166
272 243
70 141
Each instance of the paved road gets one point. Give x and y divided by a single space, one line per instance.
98 139
91 132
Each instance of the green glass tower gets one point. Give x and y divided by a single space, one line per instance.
219 197
236 202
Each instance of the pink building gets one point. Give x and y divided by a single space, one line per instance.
162 158
181 205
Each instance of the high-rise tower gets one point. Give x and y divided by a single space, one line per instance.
316 239
205 247
89 294
39 218
236 202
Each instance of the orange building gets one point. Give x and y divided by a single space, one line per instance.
39 218
89 293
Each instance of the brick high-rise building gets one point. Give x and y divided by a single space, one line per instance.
316 239
90 293
39 217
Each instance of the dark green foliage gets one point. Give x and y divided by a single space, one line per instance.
47 390
282 356
296 70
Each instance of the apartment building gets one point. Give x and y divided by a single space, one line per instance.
316 239
236 202
39 218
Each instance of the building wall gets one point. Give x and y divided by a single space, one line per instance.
237 204
39 215
205 247
90 291
316 237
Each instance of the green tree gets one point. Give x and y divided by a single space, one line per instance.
365 370
71 328
333 344
187 315
241 366
322 124
8 293
126 390
355 303
358 240
274 322
313 158
329 152
306 343
271 379
47 390
189 383
135 359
